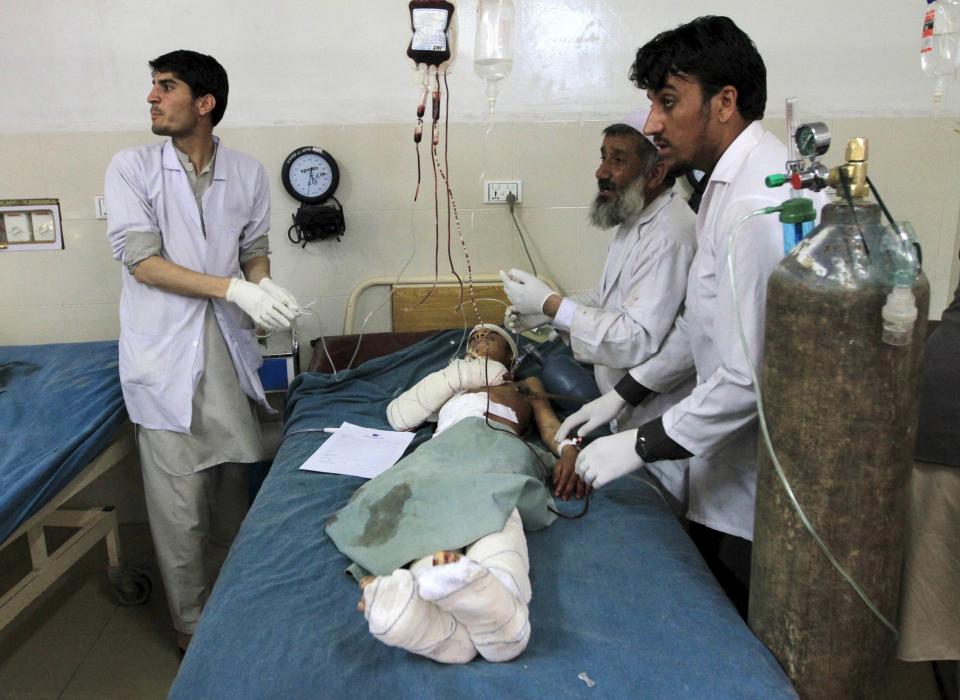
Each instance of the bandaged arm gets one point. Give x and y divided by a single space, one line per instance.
414 406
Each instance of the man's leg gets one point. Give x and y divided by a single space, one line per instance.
229 499
729 559
179 518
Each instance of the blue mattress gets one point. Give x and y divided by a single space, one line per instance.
60 406
620 594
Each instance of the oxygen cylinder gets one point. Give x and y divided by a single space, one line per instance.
841 406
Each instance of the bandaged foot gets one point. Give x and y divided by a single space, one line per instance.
399 617
497 620
418 403
505 554
446 557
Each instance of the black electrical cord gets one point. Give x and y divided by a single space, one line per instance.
511 200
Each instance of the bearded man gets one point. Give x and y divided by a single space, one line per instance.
625 319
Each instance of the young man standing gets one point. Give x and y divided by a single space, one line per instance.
707 87
188 218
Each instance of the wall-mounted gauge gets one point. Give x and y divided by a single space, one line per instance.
310 175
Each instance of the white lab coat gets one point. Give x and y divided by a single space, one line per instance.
717 422
161 349
625 320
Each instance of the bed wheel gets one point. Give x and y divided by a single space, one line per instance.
131 586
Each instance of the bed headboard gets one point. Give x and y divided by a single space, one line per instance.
443 308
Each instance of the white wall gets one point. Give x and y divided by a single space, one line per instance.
81 66
74 80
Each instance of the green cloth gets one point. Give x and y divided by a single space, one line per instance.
454 489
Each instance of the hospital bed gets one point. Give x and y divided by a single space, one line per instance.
621 597
62 425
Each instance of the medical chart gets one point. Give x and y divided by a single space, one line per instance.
357 451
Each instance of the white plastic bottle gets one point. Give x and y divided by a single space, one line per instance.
939 43
493 50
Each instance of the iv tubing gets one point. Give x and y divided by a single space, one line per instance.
766 434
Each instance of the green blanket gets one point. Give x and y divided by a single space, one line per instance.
453 490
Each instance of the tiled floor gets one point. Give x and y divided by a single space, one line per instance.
76 643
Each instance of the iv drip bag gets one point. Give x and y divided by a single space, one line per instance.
493 50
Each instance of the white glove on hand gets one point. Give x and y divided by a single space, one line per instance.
526 292
279 293
608 458
515 322
260 306
592 415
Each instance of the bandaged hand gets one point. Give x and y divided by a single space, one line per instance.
527 293
279 293
475 373
515 322
266 311
593 415
608 458
426 397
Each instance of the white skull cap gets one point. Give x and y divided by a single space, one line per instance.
637 118
499 331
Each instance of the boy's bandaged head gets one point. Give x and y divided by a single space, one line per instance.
491 327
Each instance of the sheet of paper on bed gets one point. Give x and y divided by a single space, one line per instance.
357 451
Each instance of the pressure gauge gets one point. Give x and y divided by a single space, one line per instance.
310 175
813 139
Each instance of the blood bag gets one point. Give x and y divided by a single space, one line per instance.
430 21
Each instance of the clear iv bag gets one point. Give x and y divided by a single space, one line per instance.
493 50
939 45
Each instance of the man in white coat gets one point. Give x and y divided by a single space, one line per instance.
707 87
188 218
624 320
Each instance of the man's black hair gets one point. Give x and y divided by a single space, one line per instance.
202 73
714 51
646 150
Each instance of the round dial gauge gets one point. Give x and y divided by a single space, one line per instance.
310 175
813 139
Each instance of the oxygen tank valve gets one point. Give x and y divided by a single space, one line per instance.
899 315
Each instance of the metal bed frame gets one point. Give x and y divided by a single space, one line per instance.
92 525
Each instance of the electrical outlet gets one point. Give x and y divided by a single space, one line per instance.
496 191
100 202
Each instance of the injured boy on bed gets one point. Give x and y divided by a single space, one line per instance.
441 531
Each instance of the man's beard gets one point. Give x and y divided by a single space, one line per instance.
629 202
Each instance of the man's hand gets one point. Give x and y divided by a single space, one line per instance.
515 322
526 292
592 415
279 293
566 483
608 458
265 311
